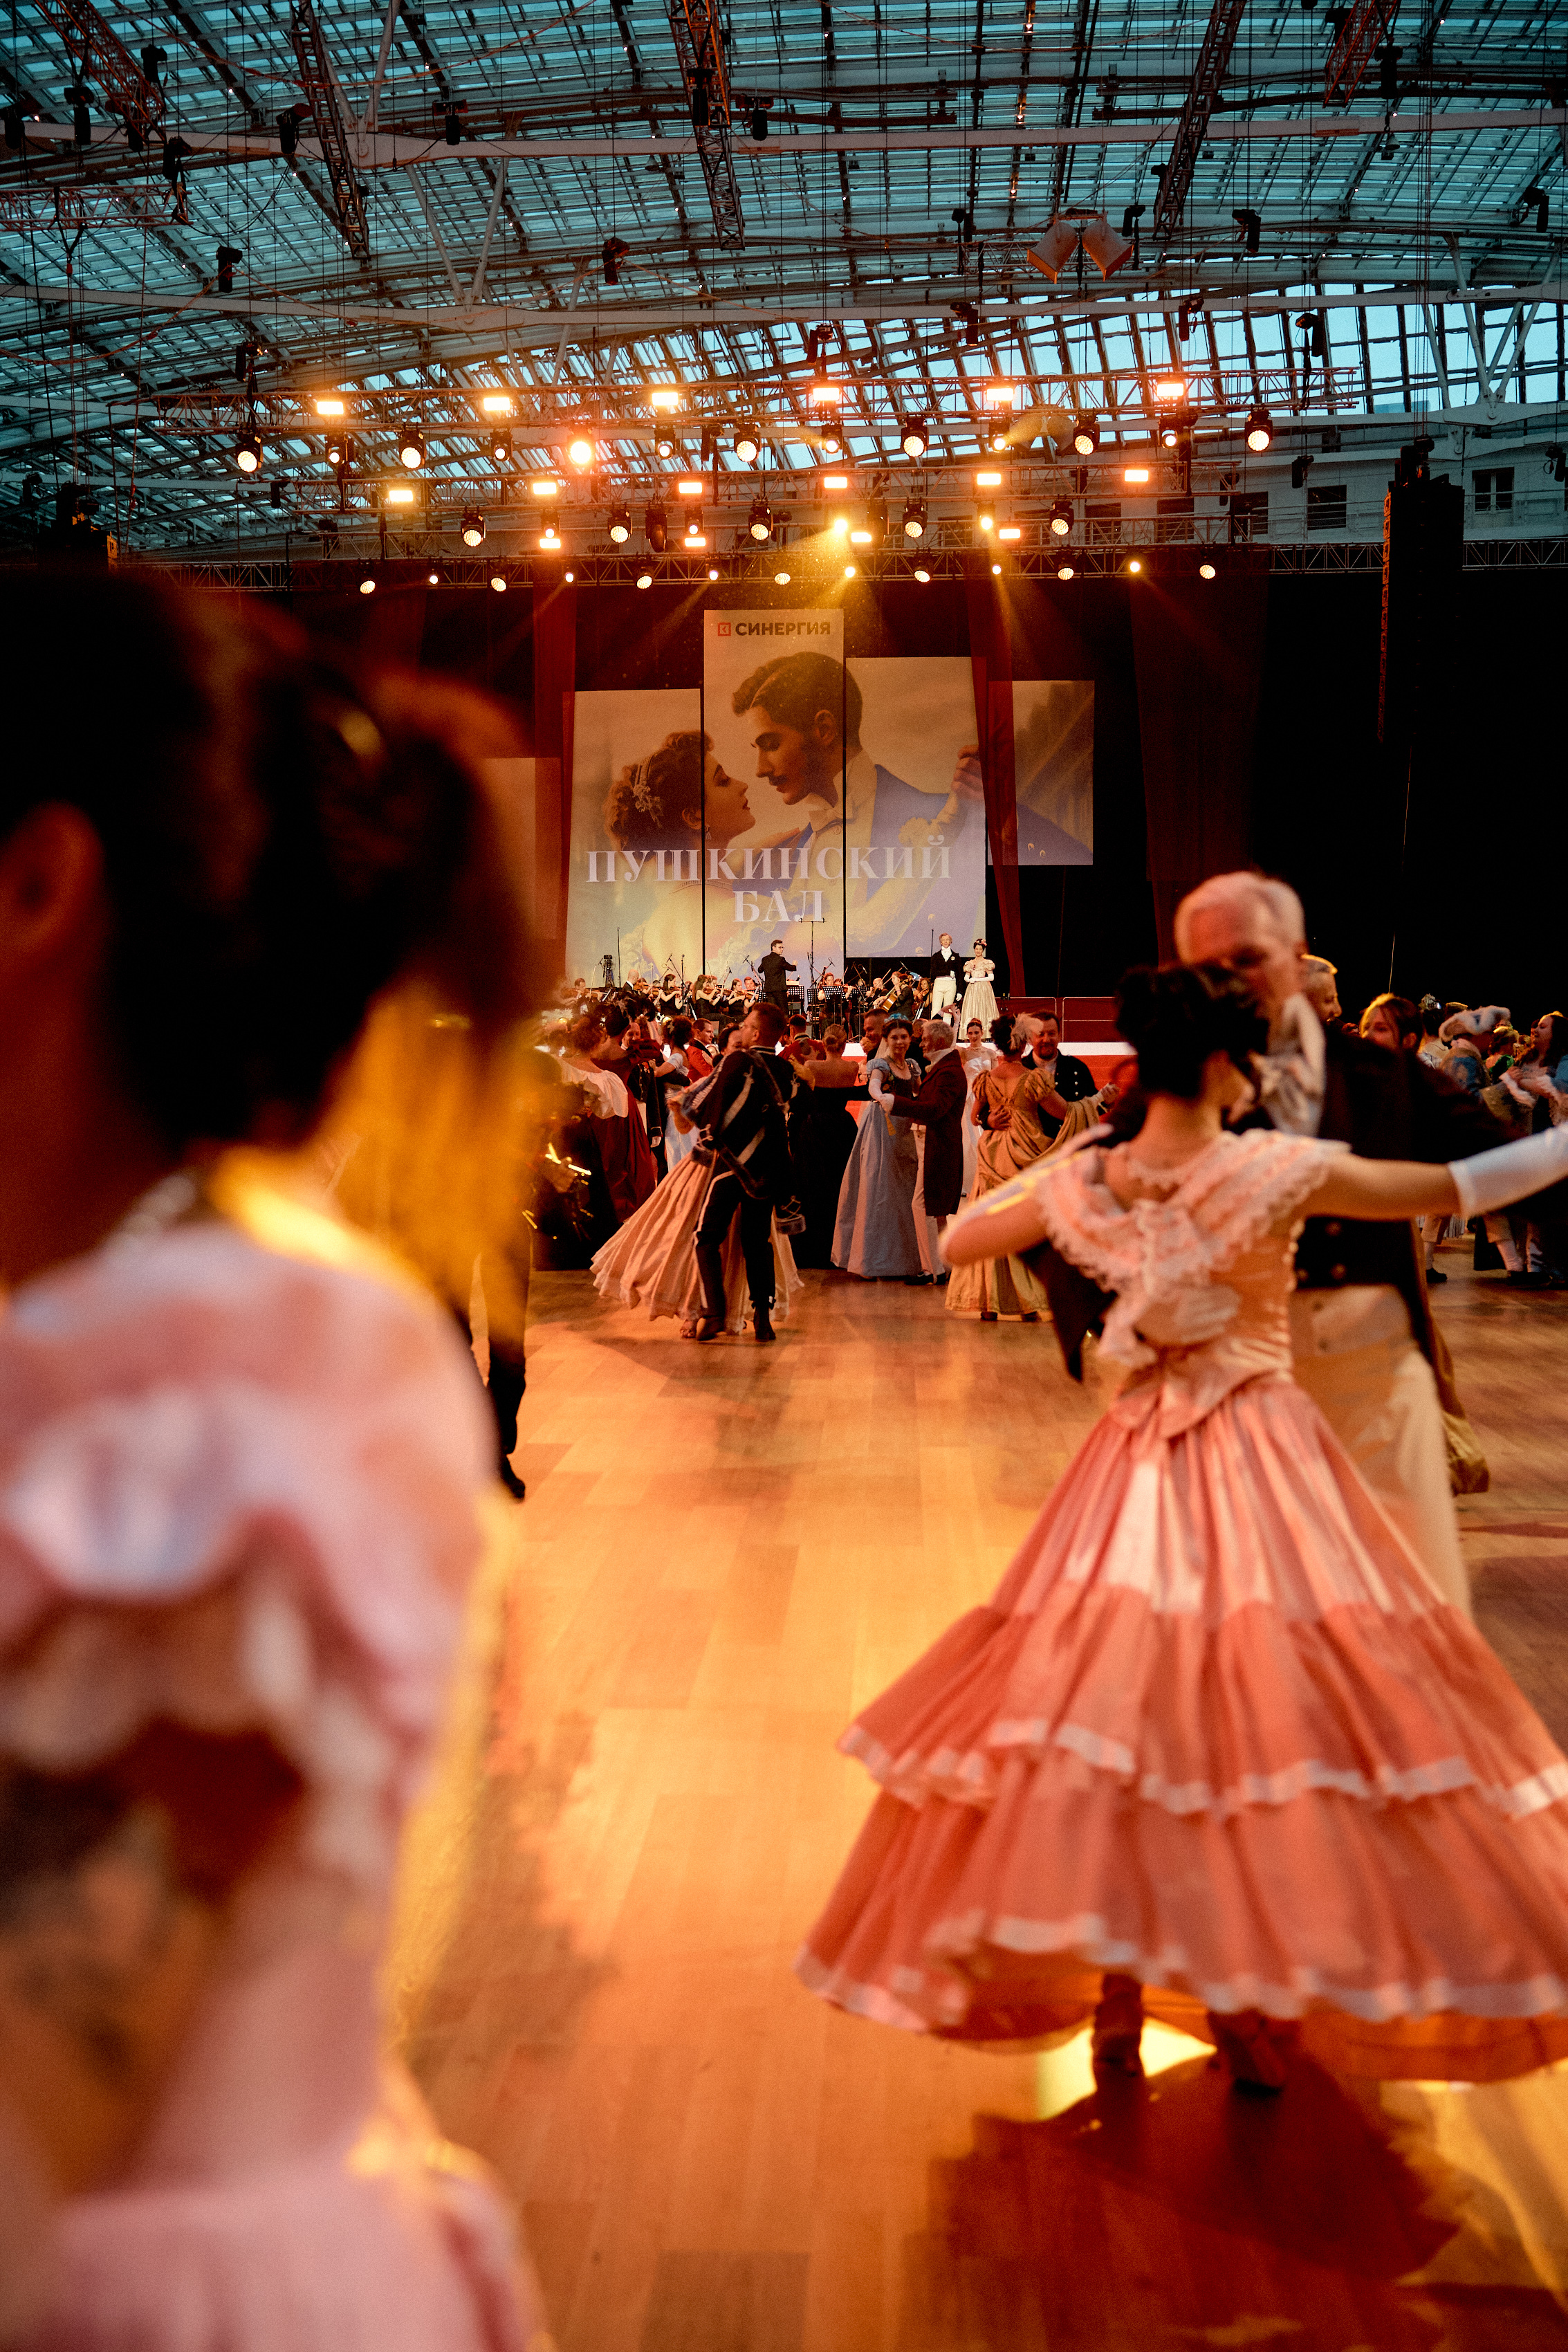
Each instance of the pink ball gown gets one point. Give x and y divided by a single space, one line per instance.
652 1261
239 1479
1217 1729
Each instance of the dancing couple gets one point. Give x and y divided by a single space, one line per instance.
1219 1745
678 1254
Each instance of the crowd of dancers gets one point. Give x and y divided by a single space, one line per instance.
1225 1743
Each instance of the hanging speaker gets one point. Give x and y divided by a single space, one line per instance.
1051 253
1105 247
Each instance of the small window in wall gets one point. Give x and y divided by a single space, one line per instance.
1104 520
1325 506
1249 511
1494 491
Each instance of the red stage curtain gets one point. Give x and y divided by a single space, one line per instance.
554 681
990 656
1198 649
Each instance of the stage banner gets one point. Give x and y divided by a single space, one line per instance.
1054 769
634 897
837 807
868 822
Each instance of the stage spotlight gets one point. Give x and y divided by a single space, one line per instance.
411 448
337 444
473 527
645 580
1170 433
665 397
400 494
1206 571
913 438
433 578
915 519
1169 390
498 582
923 576
1134 475
544 486
1062 518
1259 428
1134 563
1086 436
656 529
849 571
612 253
619 525
835 481
497 404
500 448
712 572
985 518
987 481
780 579
581 455
568 575
328 405
999 440
247 451
760 522
996 572
869 529
367 579
1010 531
748 446
690 486
831 443
1064 570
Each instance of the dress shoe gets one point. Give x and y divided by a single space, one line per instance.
512 1483
916 1281
761 1325
988 1314
1436 1274
1032 1316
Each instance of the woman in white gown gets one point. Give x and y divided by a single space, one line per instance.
242 1463
979 1000
977 1054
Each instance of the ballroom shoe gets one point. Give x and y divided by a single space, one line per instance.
1118 2027
1032 1316
916 1281
988 1314
709 1326
942 1280
762 1326
512 1483
1436 1274
1249 2045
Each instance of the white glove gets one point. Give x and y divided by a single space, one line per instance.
1493 1179
1189 1318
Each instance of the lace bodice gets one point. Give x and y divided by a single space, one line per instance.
1227 1228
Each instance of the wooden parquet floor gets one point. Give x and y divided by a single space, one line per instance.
724 1552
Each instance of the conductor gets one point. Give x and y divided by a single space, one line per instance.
773 969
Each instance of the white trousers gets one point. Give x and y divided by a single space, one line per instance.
944 996
1381 1402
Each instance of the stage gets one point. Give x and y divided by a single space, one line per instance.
724 1552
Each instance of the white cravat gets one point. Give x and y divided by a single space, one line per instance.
1291 1074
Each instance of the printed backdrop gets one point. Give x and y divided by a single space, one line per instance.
837 807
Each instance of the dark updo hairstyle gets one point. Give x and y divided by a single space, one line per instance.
677 1030
1176 1016
658 804
281 839
1002 1033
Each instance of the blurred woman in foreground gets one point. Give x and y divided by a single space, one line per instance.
242 1457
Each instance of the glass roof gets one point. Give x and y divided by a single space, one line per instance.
565 200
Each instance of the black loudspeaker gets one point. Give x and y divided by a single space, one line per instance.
1423 551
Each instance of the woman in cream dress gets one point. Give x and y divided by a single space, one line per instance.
980 998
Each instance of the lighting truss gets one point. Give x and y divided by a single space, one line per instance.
699 45
332 127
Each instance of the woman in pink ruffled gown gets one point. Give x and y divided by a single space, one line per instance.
242 1458
1217 1743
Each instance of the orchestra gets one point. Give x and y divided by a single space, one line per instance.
823 998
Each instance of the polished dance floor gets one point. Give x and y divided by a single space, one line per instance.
724 1552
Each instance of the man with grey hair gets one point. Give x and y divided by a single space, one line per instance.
1068 1076
1362 1334
937 1107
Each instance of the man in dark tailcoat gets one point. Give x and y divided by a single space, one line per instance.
937 1105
